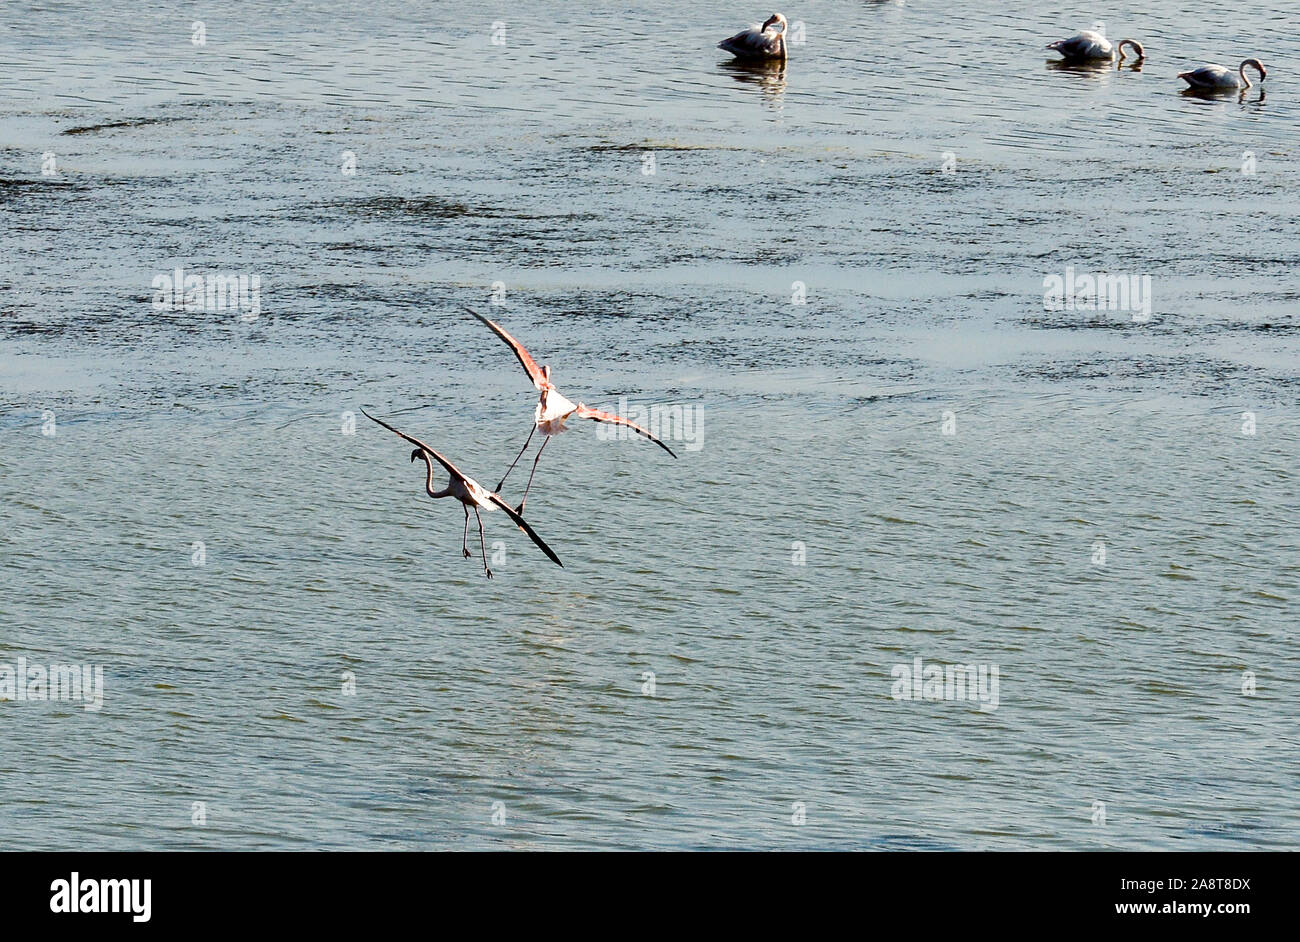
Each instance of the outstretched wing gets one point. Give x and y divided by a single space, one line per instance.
586 412
525 359
522 524
451 468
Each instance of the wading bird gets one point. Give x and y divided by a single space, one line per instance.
1091 46
1213 77
470 493
759 43
552 408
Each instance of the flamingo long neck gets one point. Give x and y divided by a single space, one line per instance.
428 481
1241 70
1138 51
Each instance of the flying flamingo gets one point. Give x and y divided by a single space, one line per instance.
470 493
757 44
552 408
1217 77
1090 45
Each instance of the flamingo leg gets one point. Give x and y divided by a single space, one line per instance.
482 547
464 540
520 511
516 461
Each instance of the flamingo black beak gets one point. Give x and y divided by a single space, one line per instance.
415 454
770 21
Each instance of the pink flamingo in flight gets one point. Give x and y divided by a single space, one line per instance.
470 493
552 408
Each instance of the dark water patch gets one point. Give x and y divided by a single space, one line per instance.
1264 328
1228 830
20 185
1191 375
115 125
909 842
356 247
438 207
11 324
651 146
430 207
1090 320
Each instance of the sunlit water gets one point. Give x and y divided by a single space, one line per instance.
821 429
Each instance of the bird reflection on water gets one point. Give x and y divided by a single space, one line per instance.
768 76
1225 95
1094 66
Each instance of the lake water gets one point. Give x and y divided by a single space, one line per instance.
923 459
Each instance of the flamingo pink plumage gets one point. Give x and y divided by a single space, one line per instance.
470 493
552 407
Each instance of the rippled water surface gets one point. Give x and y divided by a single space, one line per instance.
914 174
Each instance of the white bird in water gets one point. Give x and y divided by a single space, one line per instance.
470 493
552 408
1215 77
759 43
1091 46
